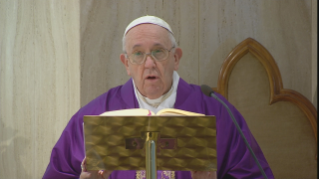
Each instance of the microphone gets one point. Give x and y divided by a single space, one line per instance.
209 92
206 90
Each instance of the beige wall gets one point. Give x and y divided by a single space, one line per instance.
56 56
206 31
39 82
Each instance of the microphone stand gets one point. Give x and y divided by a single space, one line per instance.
209 92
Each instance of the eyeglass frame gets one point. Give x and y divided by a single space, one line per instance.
149 54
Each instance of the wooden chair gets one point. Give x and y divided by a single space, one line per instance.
283 121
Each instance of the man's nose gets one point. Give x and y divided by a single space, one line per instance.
149 62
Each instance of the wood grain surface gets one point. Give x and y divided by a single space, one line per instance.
40 81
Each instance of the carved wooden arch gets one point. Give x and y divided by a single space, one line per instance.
277 92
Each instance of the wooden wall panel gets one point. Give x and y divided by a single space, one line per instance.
283 27
39 82
314 51
102 27
277 127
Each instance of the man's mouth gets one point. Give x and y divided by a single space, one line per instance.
151 77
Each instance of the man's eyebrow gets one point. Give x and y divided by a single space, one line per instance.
137 45
158 44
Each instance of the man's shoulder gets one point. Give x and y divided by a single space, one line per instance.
188 89
110 93
113 98
196 89
193 95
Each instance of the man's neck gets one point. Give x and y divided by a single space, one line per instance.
156 98
156 102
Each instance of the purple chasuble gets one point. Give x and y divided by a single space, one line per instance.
233 157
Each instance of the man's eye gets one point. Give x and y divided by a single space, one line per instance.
137 53
157 51
159 54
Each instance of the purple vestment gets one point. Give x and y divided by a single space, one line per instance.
233 157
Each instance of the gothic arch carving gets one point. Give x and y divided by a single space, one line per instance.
277 92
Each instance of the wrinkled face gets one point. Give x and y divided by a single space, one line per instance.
152 78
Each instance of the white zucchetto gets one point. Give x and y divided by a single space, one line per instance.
148 20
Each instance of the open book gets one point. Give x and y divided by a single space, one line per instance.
146 112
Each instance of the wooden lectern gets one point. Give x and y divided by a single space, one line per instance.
175 143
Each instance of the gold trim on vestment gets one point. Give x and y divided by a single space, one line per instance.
140 174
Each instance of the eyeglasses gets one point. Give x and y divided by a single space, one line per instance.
158 54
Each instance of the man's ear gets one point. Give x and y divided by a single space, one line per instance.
177 57
125 63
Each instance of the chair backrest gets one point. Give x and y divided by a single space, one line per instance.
283 121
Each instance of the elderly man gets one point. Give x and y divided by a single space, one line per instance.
151 57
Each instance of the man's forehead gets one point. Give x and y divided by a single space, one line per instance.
147 35
154 45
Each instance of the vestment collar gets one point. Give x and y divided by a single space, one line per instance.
165 101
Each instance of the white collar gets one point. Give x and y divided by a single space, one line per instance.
165 101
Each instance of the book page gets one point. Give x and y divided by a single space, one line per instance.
177 112
129 112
